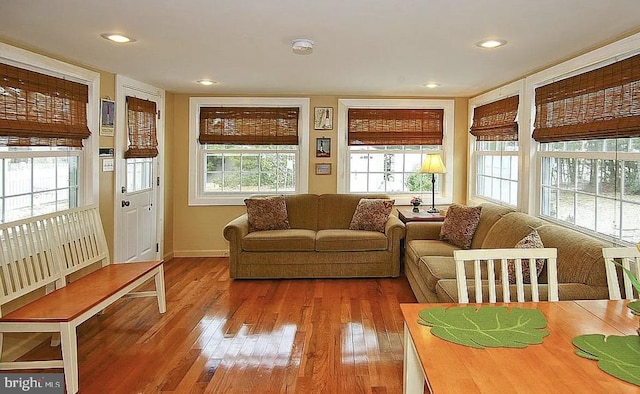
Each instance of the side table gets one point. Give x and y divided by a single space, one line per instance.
407 215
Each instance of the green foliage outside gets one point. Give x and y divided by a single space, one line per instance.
418 182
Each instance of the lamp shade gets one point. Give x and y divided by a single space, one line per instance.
432 164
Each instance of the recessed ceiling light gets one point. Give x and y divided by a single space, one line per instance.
491 43
207 82
302 45
431 85
115 37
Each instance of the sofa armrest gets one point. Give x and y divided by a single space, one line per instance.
394 228
423 230
233 232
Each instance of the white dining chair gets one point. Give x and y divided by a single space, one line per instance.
496 260
629 258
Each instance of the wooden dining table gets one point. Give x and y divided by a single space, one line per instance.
550 367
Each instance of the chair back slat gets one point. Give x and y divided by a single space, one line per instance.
521 258
629 257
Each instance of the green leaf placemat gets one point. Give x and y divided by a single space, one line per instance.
487 326
635 307
616 355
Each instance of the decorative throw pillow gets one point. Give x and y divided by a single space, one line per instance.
371 214
460 225
531 241
267 213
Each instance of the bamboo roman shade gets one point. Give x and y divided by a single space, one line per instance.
41 110
603 103
369 126
249 125
496 121
141 123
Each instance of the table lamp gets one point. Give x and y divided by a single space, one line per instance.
432 164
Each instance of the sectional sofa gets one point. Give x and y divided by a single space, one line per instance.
430 269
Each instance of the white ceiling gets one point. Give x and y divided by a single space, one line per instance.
362 47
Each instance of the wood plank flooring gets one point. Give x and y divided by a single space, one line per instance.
246 336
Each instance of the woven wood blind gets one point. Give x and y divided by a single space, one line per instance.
496 121
368 126
41 110
602 103
249 125
141 122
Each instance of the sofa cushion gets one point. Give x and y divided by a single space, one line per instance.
510 229
279 241
489 215
302 210
371 214
267 213
350 240
447 291
430 247
460 225
531 241
436 268
335 211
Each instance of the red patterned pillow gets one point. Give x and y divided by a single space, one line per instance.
371 214
267 213
460 225
531 241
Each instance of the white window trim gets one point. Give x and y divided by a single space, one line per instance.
512 89
89 171
196 170
446 196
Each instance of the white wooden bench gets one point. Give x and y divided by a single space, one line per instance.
40 253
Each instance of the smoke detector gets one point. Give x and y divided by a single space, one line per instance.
302 45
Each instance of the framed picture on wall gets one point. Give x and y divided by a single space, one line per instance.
107 117
323 118
323 168
323 147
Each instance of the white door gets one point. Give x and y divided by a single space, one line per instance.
138 205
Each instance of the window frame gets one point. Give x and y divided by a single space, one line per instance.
88 171
197 195
445 196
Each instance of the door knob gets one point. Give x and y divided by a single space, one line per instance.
125 203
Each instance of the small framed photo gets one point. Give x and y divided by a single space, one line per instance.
323 168
323 147
107 117
323 118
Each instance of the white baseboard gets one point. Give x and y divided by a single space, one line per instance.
201 253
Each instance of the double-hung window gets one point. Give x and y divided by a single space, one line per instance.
385 141
495 128
243 147
588 127
43 122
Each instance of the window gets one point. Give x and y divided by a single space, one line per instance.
386 157
36 181
234 159
48 162
496 170
594 185
588 127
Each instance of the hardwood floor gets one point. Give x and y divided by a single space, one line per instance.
246 336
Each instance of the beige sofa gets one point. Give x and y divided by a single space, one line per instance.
430 269
318 245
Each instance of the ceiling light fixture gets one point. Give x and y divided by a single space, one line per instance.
491 43
207 82
115 37
431 85
302 45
